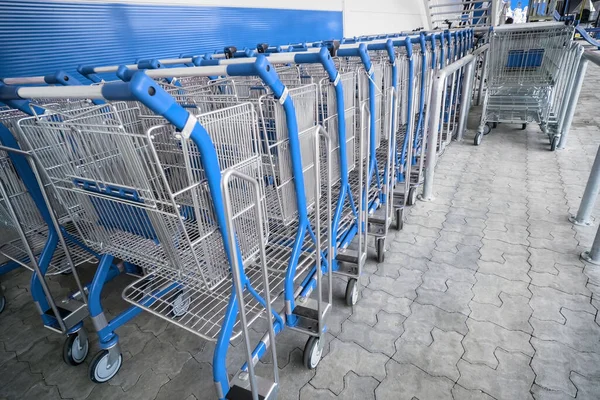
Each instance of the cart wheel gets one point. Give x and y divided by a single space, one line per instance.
2 303
487 128
412 196
100 371
477 140
380 244
180 305
494 125
399 220
75 350
312 353
523 127
351 292
554 143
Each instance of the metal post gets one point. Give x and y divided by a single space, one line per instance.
579 76
465 101
588 200
482 81
432 137
593 255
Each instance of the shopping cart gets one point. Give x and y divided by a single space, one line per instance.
524 69
45 239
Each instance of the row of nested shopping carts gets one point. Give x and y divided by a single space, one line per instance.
222 182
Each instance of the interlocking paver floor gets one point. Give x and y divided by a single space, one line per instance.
481 296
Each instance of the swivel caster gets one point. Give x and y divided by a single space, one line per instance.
487 128
312 352
380 247
399 220
477 140
554 143
412 196
523 127
102 368
351 292
76 348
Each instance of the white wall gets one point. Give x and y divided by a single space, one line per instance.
368 17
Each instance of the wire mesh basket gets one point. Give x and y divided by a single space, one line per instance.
142 195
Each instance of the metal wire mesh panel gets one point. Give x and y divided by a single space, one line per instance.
19 213
142 196
280 189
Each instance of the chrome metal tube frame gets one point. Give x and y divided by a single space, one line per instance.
587 56
434 110
237 278
468 90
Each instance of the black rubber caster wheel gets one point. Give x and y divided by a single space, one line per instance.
412 196
75 349
380 246
487 128
477 140
312 353
399 220
523 127
494 125
351 292
100 371
554 143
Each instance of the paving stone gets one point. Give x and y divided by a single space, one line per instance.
438 273
547 230
344 357
147 387
497 250
460 238
553 363
512 379
403 286
407 382
15 379
498 220
587 387
41 391
487 289
394 262
159 356
460 393
483 338
514 234
540 393
420 249
372 339
455 298
512 268
579 331
418 326
437 359
569 279
513 314
465 257
373 301
194 379
464 228
355 388
547 303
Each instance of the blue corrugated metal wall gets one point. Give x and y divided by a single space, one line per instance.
40 37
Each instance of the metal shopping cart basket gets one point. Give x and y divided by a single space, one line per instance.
523 71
